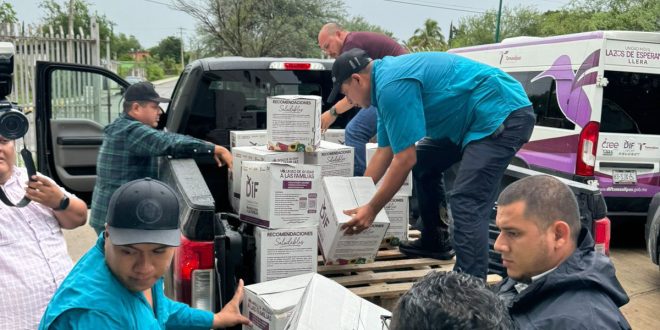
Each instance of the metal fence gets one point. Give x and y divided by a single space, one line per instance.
48 43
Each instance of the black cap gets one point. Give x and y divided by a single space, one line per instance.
143 91
348 63
144 211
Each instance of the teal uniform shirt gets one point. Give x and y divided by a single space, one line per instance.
440 95
91 297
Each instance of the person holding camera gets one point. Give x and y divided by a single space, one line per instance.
131 144
33 255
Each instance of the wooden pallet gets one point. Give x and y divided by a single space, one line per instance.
386 279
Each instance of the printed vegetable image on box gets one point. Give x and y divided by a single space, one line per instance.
341 194
278 195
293 122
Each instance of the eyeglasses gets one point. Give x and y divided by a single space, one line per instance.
385 321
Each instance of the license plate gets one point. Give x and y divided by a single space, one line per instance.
624 176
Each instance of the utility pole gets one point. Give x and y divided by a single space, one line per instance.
497 28
183 64
69 44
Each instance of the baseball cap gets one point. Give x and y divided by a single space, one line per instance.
144 211
143 91
346 64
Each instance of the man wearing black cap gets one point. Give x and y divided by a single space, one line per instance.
461 110
131 144
118 283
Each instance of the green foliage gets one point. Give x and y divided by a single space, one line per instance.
154 71
261 27
57 14
7 13
170 66
122 46
169 47
577 16
427 38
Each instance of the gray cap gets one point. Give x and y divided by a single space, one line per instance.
144 211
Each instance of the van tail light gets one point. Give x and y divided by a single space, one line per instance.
586 153
601 231
194 274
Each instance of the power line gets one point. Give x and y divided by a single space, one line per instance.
436 6
162 4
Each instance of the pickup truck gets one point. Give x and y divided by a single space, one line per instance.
211 97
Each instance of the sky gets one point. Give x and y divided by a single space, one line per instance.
152 20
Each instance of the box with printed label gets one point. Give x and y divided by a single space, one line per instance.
406 188
260 154
278 195
250 138
269 304
327 305
285 252
334 159
341 194
293 122
397 213
334 135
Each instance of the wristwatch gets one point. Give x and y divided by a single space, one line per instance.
64 203
333 111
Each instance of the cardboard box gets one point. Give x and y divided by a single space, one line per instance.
250 138
326 305
334 159
344 194
278 195
293 122
269 304
334 135
398 213
406 188
285 252
261 154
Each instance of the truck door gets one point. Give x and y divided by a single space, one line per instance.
73 105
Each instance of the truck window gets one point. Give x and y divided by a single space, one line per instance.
236 99
631 103
543 95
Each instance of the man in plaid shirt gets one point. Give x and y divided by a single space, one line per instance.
131 144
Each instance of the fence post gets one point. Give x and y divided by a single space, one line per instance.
96 46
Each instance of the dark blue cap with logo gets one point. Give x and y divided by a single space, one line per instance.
144 211
346 64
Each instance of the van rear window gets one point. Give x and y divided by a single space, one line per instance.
631 103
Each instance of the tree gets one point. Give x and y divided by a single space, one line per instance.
58 15
169 47
427 38
122 45
262 27
7 13
480 29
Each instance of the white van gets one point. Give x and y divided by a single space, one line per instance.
597 100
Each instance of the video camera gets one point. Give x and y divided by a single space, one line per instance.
13 123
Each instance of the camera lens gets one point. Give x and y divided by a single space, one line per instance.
13 124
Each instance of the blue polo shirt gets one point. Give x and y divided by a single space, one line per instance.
440 95
91 297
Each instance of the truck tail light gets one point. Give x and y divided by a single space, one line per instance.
193 273
586 153
601 231
296 66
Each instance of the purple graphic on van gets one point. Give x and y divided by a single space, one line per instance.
572 100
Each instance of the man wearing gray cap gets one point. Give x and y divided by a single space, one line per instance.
118 283
131 145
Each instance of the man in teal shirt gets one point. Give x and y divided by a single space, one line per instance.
118 284
454 109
